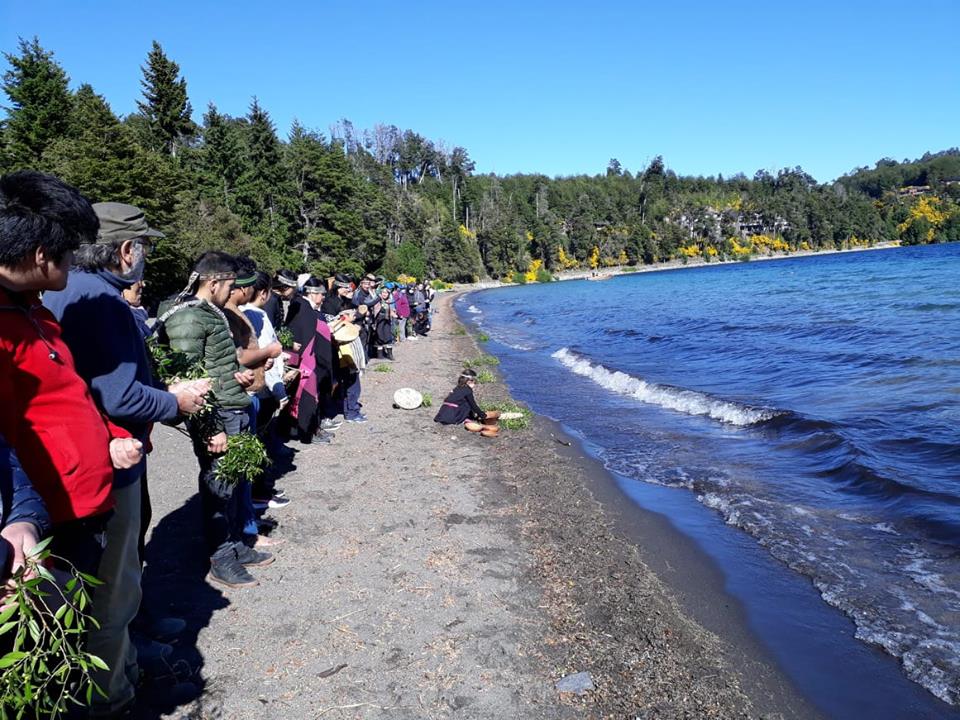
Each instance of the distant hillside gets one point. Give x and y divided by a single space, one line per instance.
390 200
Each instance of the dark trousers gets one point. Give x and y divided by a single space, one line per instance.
220 502
146 515
350 382
81 543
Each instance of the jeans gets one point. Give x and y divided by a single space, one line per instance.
116 602
351 396
221 503
401 329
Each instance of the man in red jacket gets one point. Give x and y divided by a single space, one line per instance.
65 445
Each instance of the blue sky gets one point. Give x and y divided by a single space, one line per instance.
554 87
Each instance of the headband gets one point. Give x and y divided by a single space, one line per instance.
245 281
285 281
195 276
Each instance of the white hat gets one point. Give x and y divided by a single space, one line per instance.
407 398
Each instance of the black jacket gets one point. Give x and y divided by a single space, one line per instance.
458 406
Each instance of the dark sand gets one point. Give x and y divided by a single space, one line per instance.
429 573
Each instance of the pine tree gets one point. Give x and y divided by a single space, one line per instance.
224 158
263 190
40 104
165 106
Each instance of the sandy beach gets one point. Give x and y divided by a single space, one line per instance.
428 572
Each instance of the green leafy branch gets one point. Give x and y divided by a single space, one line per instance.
246 459
172 366
46 670
285 337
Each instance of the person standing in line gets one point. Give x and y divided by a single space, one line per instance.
67 447
110 354
194 324
272 398
403 312
282 292
317 368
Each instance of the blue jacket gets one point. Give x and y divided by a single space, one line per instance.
110 355
19 502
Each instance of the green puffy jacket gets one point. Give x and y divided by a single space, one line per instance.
200 331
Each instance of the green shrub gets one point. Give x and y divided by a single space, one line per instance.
482 337
544 276
510 406
485 376
383 367
427 399
480 361
459 330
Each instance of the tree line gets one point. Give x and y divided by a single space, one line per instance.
389 200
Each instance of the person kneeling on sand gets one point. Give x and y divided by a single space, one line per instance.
460 405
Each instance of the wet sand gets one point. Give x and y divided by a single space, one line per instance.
428 572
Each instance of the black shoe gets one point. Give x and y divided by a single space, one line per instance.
252 558
230 572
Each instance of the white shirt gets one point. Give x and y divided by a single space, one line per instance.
267 335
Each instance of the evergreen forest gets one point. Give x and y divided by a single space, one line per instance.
389 200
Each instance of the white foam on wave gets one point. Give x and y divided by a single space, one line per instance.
474 310
685 401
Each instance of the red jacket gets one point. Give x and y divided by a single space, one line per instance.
48 415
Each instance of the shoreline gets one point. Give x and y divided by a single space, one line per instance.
612 272
428 572
833 697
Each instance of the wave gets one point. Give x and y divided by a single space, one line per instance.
689 402
474 310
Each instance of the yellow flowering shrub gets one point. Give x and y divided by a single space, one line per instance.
622 258
406 279
768 244
594 257
566 262
689 251
531 274
739 250
710 251
928 208
466 233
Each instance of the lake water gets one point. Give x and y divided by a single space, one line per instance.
813 403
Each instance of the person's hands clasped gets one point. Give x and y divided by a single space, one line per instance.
244 378
125 452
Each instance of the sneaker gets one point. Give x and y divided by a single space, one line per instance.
361 418
330 424
277 502
231 573
279 492
249 557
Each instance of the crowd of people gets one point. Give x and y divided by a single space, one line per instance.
279 356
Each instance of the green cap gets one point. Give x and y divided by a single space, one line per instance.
119 222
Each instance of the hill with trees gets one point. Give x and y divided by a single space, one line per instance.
388 199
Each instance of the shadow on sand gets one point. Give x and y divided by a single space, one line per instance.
175 585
